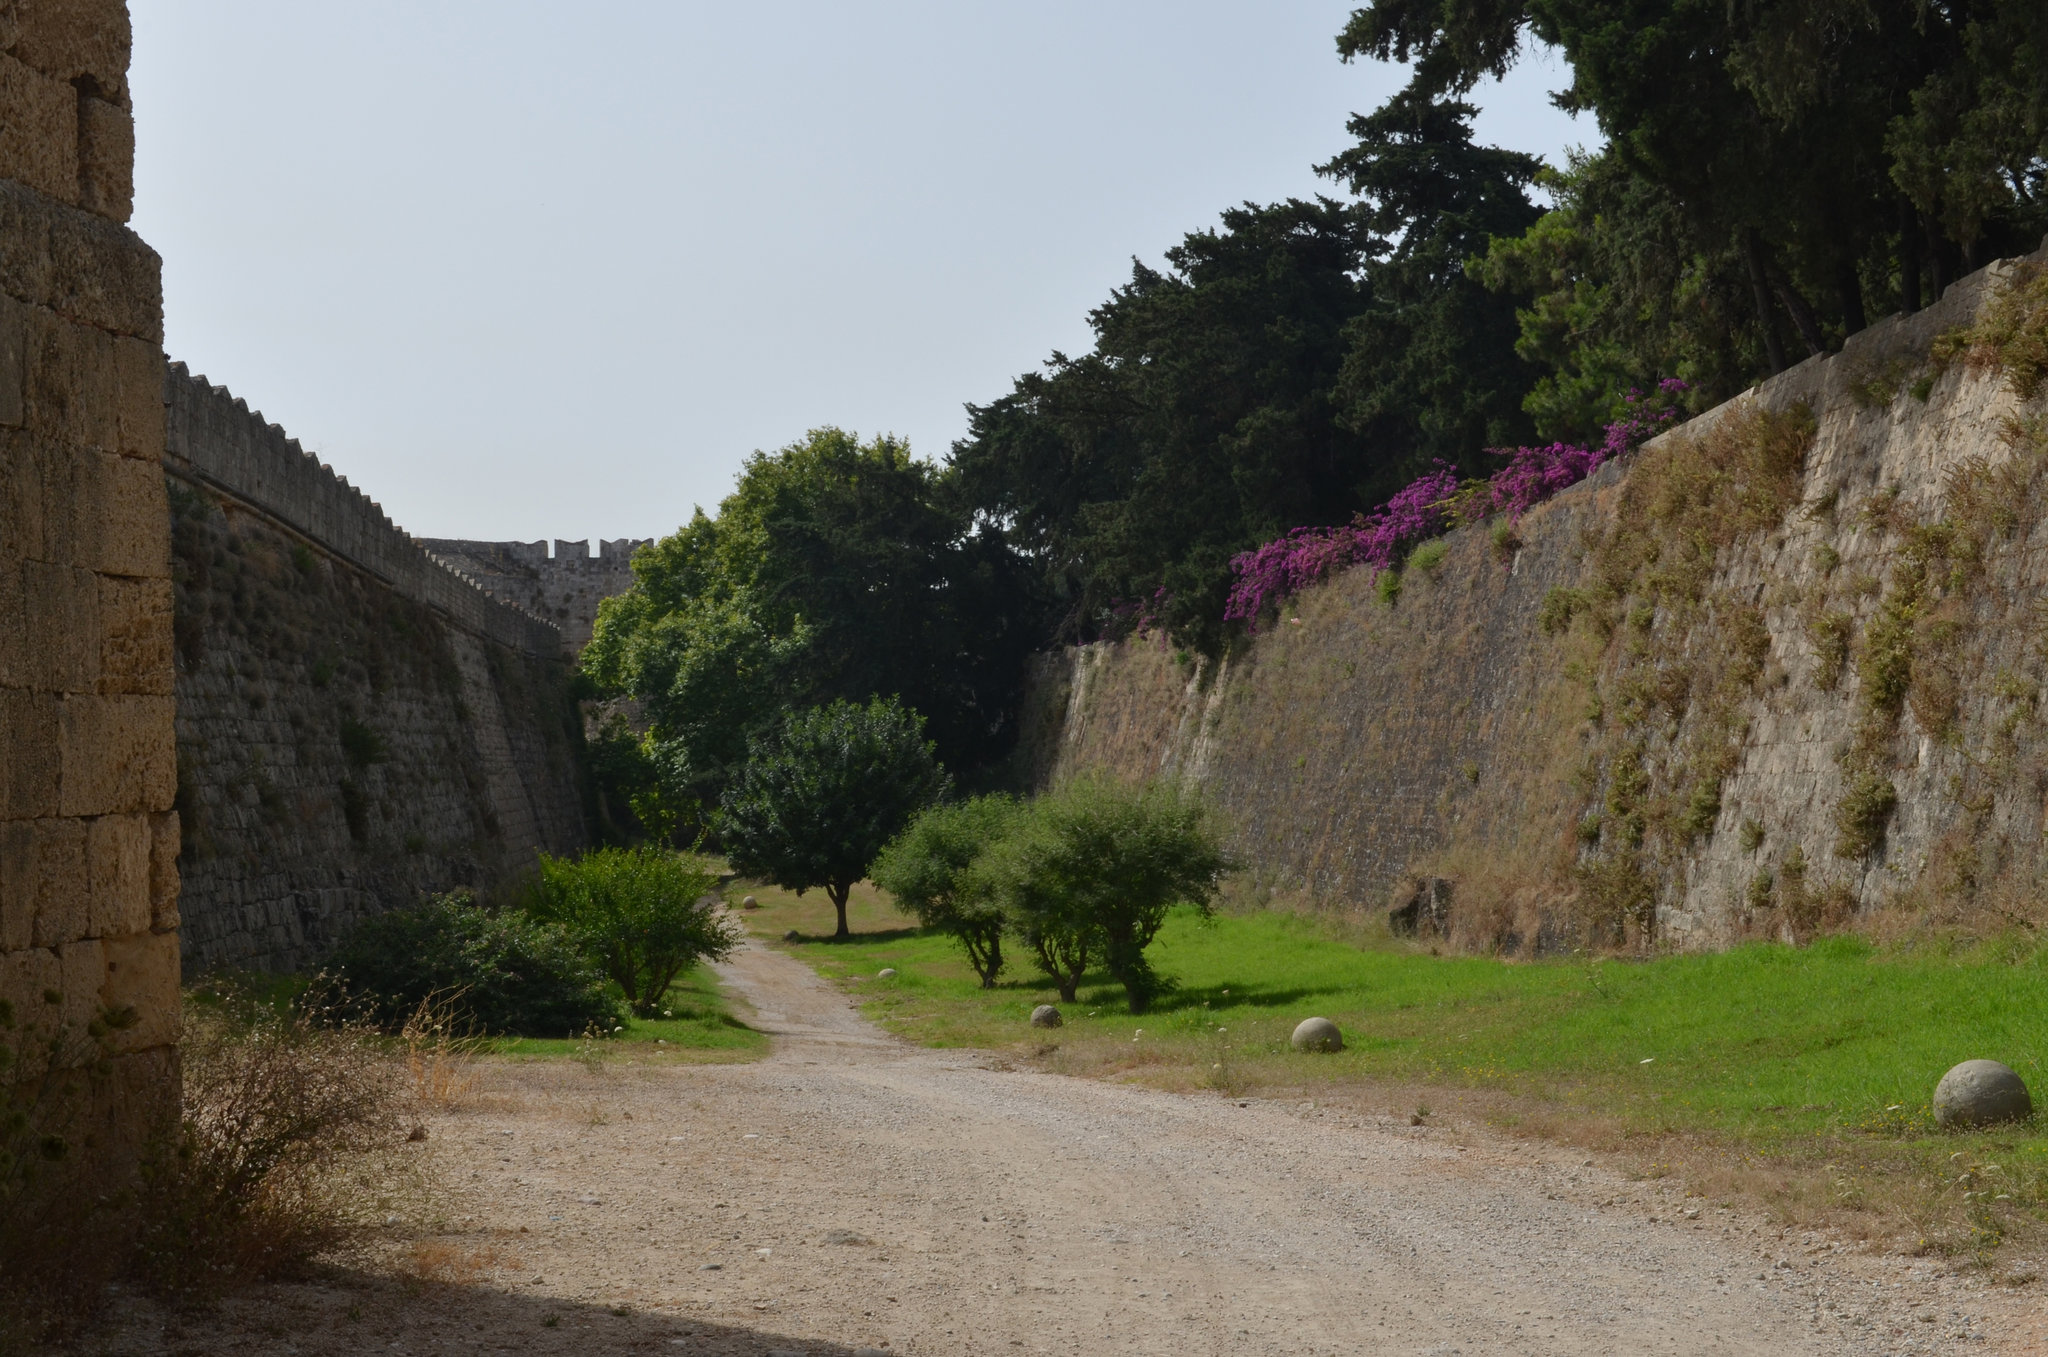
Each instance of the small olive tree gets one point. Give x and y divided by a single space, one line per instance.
930 869
1096 865
643 915
819 799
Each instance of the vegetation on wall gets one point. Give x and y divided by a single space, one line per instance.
1668 663
270 630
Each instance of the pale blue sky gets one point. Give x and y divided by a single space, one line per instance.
525 270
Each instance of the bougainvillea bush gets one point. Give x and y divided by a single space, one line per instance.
1436 503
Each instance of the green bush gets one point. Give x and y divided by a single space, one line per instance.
502 973
1860 820
818 801
1099 865
643 915
929 869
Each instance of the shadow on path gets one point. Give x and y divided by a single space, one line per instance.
347 1311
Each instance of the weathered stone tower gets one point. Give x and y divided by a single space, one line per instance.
88 840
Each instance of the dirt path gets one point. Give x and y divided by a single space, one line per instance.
853 1192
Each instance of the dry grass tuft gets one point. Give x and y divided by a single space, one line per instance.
443 1262
440 1053
2012 337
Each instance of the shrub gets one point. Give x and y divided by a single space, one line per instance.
502 973
1830 635
2012 336
1429 556
930 869
643 915
1095 862
1864 812
819 799
286 1116
1555 616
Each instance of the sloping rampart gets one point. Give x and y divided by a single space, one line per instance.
1836 711
358 724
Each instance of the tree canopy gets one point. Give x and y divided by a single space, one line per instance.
820 797
837 569
1293 367
1773 175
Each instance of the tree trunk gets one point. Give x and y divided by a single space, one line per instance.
1909 258
1760 288
838 894
1851 287
1802 316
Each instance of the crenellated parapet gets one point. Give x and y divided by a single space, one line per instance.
215 438
564 586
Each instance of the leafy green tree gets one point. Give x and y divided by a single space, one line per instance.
502 972
837 569
930 869
1774 173
1097 862
644 915
818 799
1432 365
1299 364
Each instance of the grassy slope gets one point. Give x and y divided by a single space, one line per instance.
1825 1053
703 1029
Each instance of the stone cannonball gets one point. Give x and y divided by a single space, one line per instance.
1318 1034
1980 1092
886 973
749 902
1045 1015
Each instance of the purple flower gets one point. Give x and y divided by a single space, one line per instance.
1437 502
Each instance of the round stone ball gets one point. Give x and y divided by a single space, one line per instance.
1318 1034
749 902
792 936
1046 1015
1980 1092
886 973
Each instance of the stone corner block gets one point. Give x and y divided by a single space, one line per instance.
142 972
118 754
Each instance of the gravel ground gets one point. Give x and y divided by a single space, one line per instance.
854 1193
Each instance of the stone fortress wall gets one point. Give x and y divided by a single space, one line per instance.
88 840
565 588
358 723
1357 747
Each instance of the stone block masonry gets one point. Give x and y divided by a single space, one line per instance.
1474 731
89 965
357 723
565 588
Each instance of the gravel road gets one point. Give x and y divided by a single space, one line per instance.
852 1192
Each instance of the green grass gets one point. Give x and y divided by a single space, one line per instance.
702 1028
1810 1053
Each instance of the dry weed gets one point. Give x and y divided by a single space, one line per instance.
442 1262
293 1144
440 1053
